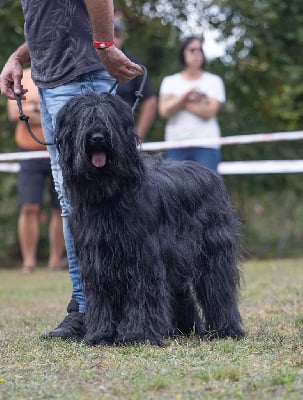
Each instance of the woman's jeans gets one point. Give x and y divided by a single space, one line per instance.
208 157
51 102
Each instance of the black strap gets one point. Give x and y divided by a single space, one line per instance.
138 93
25 118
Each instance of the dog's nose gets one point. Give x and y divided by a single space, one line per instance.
97 137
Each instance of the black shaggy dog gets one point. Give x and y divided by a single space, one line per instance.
156 240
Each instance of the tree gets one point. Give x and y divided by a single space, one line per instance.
263 75
266 57
11 36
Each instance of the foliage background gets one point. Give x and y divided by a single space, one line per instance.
262 71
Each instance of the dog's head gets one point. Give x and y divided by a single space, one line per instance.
96 140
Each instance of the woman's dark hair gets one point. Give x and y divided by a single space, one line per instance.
183 46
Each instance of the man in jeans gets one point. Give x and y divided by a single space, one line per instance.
70 47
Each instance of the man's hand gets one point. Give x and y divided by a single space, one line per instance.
10 79
12 73
118 65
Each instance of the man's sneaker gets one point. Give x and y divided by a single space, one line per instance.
72 327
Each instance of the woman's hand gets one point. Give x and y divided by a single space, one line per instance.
195 95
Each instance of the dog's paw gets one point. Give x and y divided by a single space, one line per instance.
131 341
97 341
234 333
100 343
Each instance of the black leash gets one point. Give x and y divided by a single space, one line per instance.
25 118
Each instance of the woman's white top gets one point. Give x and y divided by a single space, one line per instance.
185 125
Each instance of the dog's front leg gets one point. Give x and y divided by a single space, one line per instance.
99 317
147 313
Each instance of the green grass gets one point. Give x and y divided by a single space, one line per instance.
267 364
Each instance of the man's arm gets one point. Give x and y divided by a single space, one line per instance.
12 73
101 14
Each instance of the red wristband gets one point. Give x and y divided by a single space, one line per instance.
102 45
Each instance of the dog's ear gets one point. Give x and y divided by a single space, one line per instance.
69 116
126 116
63 127
59 134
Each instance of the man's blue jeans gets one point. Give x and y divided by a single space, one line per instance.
51 102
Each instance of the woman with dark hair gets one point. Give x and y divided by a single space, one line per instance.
190 101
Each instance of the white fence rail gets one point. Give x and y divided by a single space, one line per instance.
225 168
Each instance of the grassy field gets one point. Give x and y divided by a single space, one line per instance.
267 364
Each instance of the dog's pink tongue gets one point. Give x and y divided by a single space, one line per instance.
99 159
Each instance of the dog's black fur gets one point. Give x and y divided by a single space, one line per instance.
157 240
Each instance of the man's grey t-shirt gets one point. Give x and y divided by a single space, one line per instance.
59 36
